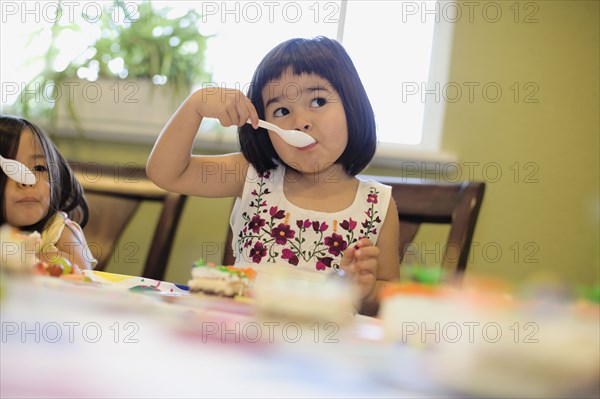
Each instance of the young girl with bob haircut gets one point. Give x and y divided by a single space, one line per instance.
44 206
300 208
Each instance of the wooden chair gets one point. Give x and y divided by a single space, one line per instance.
421 201
114 194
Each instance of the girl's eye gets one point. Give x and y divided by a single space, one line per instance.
40 168
318 102
281 112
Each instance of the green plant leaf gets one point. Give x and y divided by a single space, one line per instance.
144 54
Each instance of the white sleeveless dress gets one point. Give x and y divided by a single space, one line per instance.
269 231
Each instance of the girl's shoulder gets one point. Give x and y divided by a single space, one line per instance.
366 180
273 176
57 221
373 187
55 227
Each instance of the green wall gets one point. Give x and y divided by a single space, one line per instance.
536 145
550 208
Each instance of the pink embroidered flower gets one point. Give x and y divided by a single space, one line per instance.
303 224
315 226
290 256
319 227
282 233
275 213
324 263
336 244
256 223
372 198
258 252
348 225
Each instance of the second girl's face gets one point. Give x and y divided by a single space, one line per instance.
28 204
310 104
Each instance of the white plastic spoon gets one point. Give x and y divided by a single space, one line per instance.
17 171
292 137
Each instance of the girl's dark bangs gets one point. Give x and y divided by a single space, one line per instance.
300 58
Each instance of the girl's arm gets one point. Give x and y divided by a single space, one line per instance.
388 267
171 164
71 246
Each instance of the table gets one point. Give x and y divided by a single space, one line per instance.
64 339
67 339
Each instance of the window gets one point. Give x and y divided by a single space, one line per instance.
401 49
392 44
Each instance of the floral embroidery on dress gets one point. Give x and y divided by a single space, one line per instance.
267 232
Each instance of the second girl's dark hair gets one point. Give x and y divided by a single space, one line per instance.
66 194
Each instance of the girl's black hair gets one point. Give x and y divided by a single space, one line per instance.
66 194
328 59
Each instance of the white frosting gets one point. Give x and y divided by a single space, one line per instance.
222 287
213 280
18 252
207 272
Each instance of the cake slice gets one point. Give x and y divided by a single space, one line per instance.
18 251
227 281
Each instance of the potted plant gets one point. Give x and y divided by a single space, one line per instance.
130 78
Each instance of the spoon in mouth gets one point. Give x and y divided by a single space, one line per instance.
17 171
292 137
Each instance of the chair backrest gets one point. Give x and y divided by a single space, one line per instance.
421 201
114 194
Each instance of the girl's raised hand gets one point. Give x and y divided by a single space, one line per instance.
361 261
229 106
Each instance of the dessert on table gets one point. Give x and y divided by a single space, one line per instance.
228 281
21 255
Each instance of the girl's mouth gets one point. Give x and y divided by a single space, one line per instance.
27 200
308 147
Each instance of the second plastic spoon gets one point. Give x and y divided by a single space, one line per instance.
17 171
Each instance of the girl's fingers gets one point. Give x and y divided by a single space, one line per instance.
349 253
233 116
366 253
364 242
347 262
368 266
240 111
363 258
243 113
229 106
252 114
366 263
253 117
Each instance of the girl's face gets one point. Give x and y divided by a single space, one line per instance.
308 103
28 204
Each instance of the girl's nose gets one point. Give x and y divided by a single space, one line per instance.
23 185
302 124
